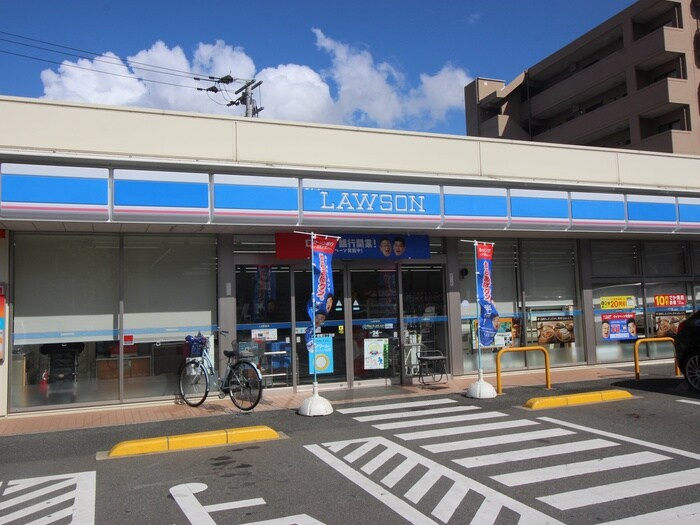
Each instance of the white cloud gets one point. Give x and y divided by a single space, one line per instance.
353 90
473 18
105 80
293 92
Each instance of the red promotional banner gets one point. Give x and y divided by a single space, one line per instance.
292 246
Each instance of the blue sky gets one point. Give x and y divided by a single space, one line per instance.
395 64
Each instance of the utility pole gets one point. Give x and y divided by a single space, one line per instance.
244 94
246 98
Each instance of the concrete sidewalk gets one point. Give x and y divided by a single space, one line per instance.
286 399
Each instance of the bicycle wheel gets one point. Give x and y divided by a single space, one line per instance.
194 383
244 385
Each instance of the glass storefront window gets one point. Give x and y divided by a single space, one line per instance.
330 364
619 319
615 258
505 296
425 313
65 315
667 305
554 319
664 258
169 293
264 320
375 324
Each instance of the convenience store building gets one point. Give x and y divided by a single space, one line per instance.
124 230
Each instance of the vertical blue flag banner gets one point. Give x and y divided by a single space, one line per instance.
488 312
321 301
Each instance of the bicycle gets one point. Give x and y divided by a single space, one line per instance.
242 380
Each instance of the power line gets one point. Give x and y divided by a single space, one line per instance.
242 96
75 66
98 56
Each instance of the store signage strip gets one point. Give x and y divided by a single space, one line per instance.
160 200
688 213
65 193
543 209
54 192
380 203
484 207
657 213
599 211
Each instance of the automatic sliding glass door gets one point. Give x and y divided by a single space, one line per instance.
375 324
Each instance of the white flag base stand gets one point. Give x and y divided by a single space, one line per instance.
315 405
481 389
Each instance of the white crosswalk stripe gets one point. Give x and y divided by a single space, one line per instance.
624 489
673 516
423 422
534 453
525 477
415 413
344 456
569 456
395 406
484 427
491 441
49 499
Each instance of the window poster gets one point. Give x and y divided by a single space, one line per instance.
507 331
555 329
618 326
376 353
666 322
264 334
504 332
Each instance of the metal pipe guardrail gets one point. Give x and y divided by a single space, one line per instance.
638 343
499 386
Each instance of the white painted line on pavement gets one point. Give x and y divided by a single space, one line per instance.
399 506
621 490
674 516
532 453
594 466
688 401
497 440
413 413
394 406
453 431
423 422
620 437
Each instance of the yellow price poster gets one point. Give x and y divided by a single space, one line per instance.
617 302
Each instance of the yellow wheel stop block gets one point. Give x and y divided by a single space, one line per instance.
538 403
211 438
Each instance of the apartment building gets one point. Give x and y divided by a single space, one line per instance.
633 82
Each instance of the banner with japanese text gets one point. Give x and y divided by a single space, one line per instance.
488 315
321 300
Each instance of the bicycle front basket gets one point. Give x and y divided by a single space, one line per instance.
195 345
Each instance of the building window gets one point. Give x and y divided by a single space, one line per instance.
615 258
66 310
664 259
668 126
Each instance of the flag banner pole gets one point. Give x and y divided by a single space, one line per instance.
322 248
486 311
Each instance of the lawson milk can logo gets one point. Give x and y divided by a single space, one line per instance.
345 201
